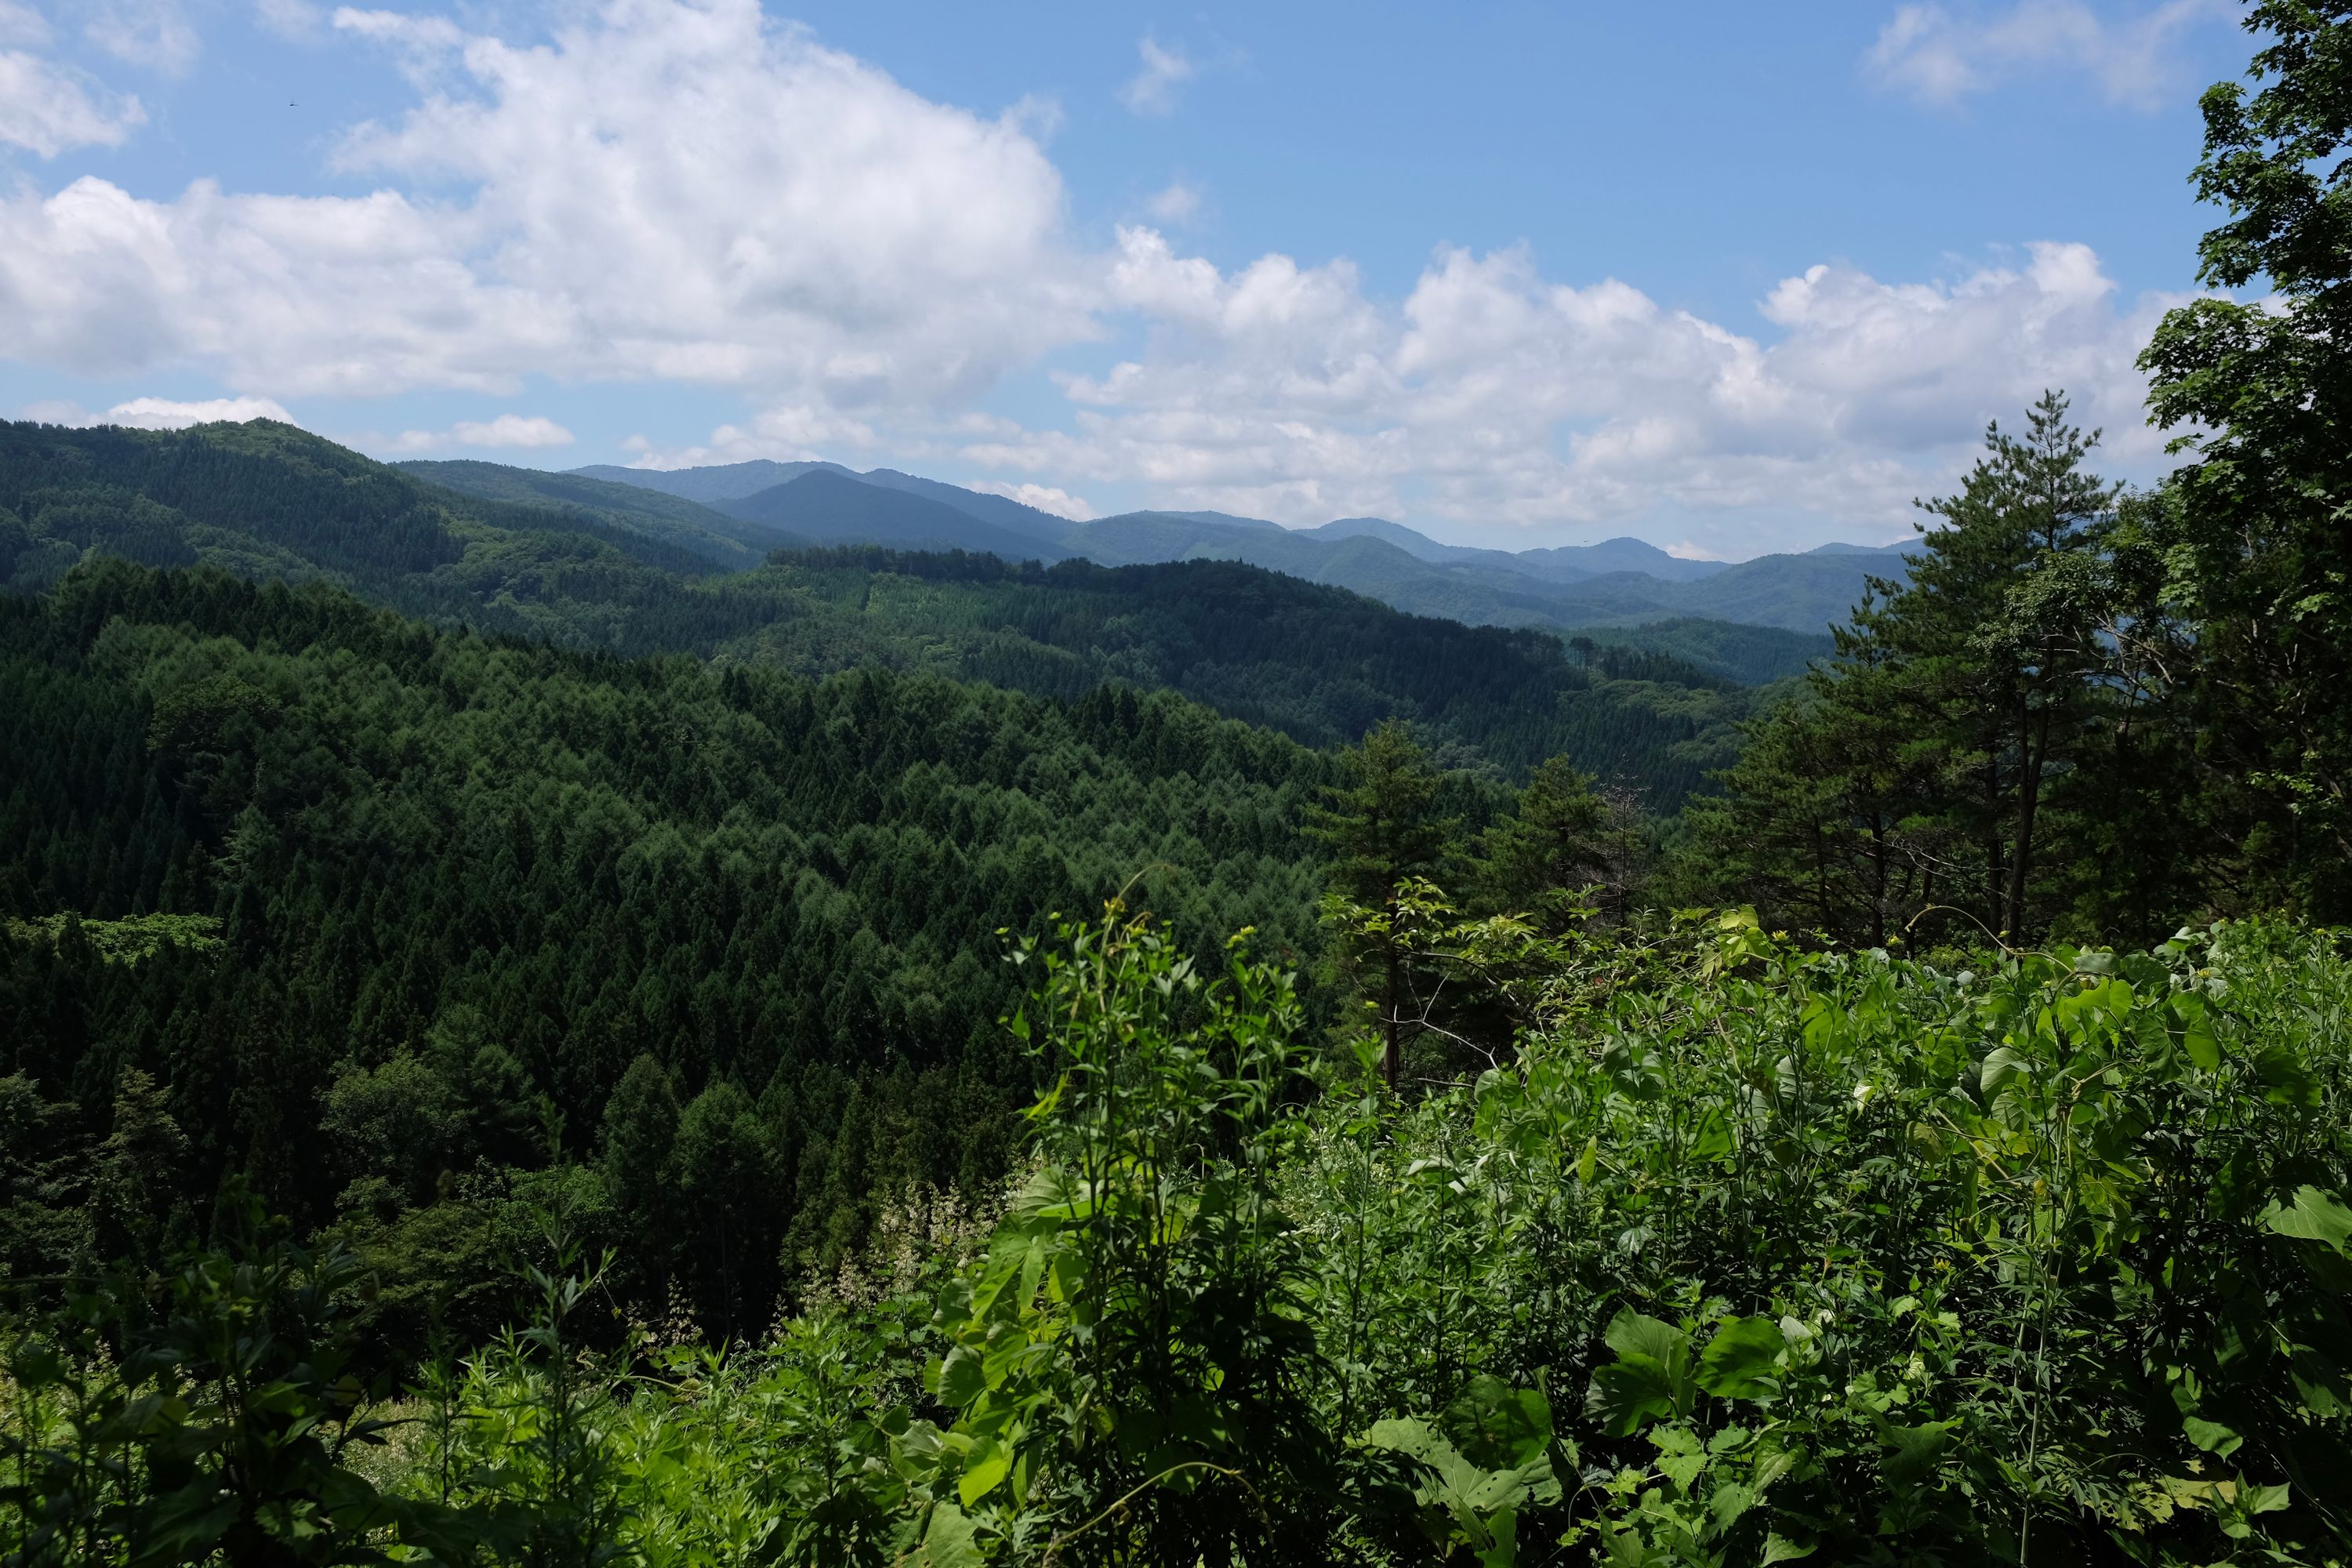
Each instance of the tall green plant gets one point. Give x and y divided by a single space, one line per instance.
1131 1371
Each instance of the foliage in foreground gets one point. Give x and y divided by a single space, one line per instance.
1745 1254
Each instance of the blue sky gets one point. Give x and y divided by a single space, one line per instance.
1713 276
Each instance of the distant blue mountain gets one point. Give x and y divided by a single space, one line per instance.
1002 510
835 507
1616 582
720 482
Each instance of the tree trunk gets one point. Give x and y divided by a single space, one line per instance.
1391 993
2028 802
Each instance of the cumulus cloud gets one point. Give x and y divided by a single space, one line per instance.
510 430
162 413
1045 498
674 191
21 25
1494 395
668 190
1940 57
47 108
791 432
1154 90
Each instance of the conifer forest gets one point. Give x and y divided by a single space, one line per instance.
545 1028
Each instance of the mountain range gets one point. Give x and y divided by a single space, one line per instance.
1616 583
795 577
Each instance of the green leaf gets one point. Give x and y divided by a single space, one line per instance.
1779 1550
953 1540
1912 1451
1998 1065
2315 1215
1631 1334
1650 1379
1505 1552
1497 1427
1629 1392
2265 1499
2197 1037
2211 1435
963 1377
990 1463
1402 1434
1741 1361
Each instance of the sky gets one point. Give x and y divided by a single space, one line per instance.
1732 279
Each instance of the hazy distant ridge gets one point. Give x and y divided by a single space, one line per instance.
1616 582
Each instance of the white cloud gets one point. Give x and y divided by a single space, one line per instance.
673 190
1045 498
1495 396
1154 90
153 34
1941 58
161 413
508 430
670 190
47 109
1179 203
787 432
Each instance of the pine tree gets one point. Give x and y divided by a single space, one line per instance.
1918 769
1383 828
1558 842
1998 630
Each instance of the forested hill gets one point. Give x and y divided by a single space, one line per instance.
1321 665
1616 583
584 564
397 884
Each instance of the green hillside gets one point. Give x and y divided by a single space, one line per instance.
727 540
590 565
433 868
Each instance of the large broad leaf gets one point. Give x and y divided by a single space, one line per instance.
2315 1215
1497 1427
952 1540
1628 1394
2197 1037
1742 1361
1912 1451
1631 1333
1504 1528
990 1463
963 1377
1481 1504
1650 1379
2002 1064
2211 1435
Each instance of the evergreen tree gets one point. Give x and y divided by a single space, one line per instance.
1919 769
1383 829
1557 842
640 1144
1998 633
730 1209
